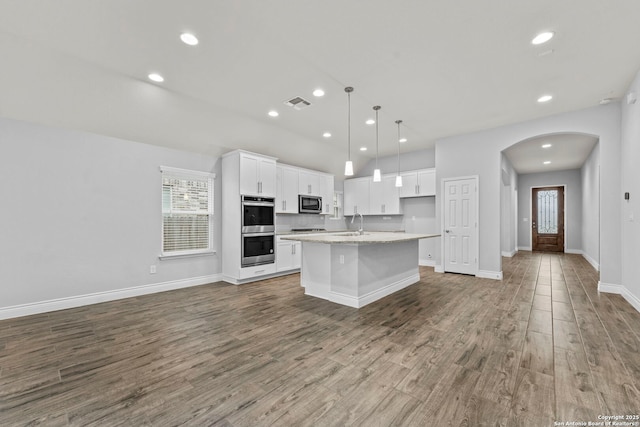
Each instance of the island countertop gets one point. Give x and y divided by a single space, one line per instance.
353 237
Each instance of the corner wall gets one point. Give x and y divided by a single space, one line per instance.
630 215
82 219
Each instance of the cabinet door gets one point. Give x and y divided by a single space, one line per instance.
297 255
326 189
427 182
284 255
249 175
267 177
390 196
409 184
356 196
384 197
376 197
286 190
309 183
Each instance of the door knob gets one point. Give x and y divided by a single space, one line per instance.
446 231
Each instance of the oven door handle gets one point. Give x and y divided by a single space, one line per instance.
268 204
257 234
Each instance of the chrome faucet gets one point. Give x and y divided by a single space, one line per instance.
361 231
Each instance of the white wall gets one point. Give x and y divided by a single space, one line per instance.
630 214
480 154
571 180
420 159
81 216
590 178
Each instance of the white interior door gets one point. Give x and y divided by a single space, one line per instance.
460 226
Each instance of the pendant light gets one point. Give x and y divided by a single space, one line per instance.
376 171
348 167
398 176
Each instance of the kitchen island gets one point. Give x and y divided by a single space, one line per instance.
356 269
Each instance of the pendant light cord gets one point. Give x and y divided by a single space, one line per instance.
349 89
398 122
377 108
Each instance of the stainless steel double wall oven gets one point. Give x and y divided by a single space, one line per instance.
258 231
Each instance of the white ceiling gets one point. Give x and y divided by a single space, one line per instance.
567 151
444 68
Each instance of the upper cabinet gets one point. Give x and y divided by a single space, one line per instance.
418 183
294 181
257 175
384 197
286 189
356 196
309 183
326 192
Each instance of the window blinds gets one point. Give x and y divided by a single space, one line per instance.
187 211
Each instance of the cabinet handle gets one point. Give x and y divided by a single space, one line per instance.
383 208
309 188
284 205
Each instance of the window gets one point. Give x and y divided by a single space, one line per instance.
187 212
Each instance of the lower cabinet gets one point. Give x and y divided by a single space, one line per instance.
288 255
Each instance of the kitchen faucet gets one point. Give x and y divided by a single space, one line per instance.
361 231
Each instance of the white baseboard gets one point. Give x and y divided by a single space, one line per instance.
591 261
509 254
485 274
524 248
438 269
621 290
427 262
358 302
98 297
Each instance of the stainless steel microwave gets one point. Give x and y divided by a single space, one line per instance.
309 204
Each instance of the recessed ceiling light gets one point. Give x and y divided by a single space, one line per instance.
363 148
370 121
273 113
545 98
546 145
547 162
318 92
402 140
542 37
327 134
156 77
188 38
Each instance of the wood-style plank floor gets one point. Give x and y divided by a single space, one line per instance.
538 347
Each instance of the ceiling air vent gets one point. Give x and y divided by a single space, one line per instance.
297 103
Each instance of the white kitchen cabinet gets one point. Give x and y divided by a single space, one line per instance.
286 189
288 255
257 175
326 192
309 183
384 197
356 196
418 183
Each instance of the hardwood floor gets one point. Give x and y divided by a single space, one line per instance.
540 346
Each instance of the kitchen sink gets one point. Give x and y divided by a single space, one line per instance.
352 234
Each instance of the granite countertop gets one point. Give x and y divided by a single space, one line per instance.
352 237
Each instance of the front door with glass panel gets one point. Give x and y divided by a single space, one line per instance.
547 219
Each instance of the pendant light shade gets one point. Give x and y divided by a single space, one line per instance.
348 166
376 172
398 176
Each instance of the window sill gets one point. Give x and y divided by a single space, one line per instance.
187 254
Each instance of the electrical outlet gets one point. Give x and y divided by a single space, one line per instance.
341 259
152 269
